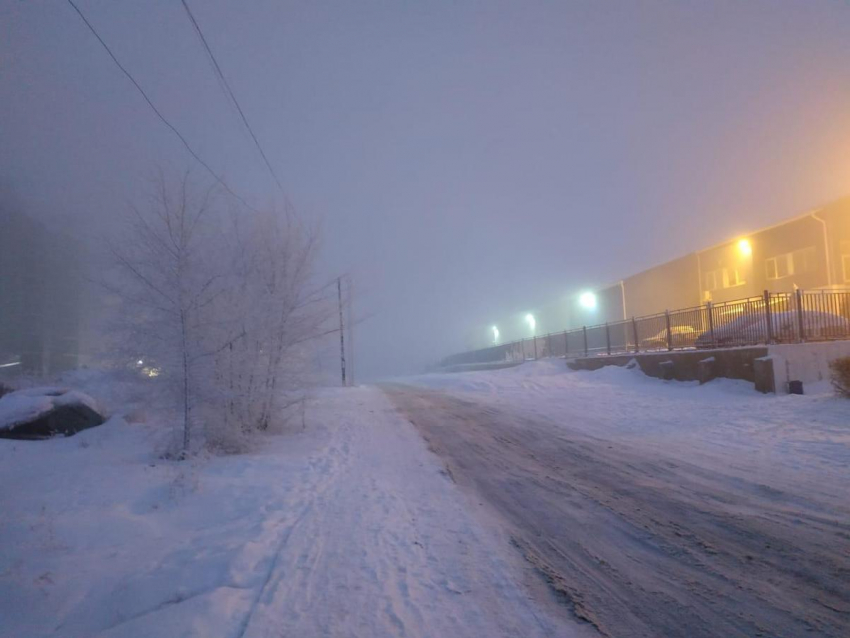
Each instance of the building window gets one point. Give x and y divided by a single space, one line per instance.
845 260
797 262
711 280
780 266
733 277
805 260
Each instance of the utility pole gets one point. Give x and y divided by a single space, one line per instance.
341 329
350 305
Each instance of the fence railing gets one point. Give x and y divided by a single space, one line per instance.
792 317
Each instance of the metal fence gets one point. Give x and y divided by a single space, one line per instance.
792 317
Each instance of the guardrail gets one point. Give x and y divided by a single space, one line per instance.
792 317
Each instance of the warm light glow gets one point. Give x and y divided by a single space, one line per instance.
495 335
532 323
745 248
587 300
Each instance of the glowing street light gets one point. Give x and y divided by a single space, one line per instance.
745 248
495 336
532 323
587 300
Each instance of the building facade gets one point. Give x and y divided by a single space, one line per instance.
808 252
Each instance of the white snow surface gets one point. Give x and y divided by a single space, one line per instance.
25 405
795 440
348 528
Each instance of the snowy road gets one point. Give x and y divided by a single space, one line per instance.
714 531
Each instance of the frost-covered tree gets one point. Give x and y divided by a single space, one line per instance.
219 300
167 283
274 255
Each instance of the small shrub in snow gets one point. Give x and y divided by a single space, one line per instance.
840 376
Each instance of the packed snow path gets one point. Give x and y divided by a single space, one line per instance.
658 509
383 546
351 528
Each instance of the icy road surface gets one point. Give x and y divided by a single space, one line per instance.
653 508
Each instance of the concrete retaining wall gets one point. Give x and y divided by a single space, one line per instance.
806 362
734 363
770 368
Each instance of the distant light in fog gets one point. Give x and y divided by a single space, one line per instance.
495 335
532 322
745 248
587 300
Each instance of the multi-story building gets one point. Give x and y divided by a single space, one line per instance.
809 252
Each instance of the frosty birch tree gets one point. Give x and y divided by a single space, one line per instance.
168 282
274 255
222 303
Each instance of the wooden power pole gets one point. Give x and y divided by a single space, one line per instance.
341 329
350 306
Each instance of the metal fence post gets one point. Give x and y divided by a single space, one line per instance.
584 330
710 310
801 325
607 338
534 339
566 345
669 332
768 316
549 343
634 329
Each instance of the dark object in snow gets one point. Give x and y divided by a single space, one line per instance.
763 373
706 370
668 370
41 413
795 387
840 375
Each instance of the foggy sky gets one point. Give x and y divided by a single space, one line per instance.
468 159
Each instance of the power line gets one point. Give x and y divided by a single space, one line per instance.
156 110
226 85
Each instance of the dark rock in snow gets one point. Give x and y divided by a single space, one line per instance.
41 413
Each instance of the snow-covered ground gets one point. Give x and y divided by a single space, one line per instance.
348 528
724 421
351 527
657 508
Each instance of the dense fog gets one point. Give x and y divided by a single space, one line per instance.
461 161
